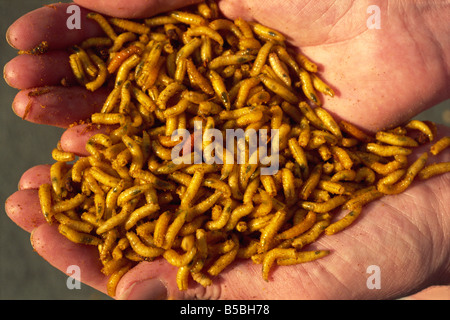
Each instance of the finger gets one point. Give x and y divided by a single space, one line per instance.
31 71
24 209
133 8
157 280
23 206
34 177
74 139
62 253
49 23
147 281
58 106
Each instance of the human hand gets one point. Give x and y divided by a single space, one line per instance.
379 225
381 76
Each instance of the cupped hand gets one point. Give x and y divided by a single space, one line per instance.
382 77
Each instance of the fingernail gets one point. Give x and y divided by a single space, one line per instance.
150 289
6 73
8 37
14 108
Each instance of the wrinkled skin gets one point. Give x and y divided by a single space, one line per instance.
382 77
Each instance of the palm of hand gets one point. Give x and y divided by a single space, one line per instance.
399 234
382 76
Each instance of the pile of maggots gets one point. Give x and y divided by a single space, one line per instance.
132 201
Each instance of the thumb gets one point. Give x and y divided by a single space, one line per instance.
147 281
157 280
241 280
133 8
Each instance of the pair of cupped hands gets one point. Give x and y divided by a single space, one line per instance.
382 77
